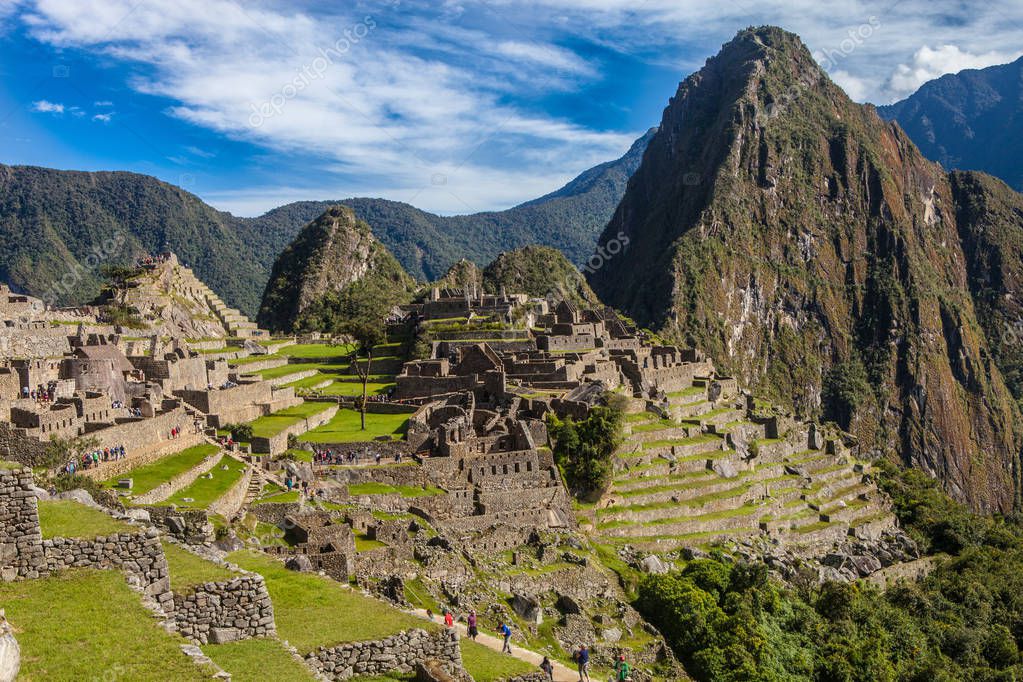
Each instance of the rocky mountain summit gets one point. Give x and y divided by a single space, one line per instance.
811 249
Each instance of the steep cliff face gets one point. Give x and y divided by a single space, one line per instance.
811 250
328 255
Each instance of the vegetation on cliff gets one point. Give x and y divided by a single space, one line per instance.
584 449
538 271
814 253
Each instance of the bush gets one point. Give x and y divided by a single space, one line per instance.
585 449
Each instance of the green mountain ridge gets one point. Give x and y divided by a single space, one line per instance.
51 221
814 253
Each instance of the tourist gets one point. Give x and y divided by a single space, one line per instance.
471 622
429 614
548 669
582 659
506 633
622 670
449 620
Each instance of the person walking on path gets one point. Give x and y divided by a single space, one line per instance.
622 670
449 620
582 658
548 669
506 632
471 626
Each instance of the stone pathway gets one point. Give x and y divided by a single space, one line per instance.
561 672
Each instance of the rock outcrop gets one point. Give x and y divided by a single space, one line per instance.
538 271
813 252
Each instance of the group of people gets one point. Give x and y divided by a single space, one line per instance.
94 458
292 484
581 656
40 394
332 456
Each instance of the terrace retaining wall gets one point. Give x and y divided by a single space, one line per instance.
21 540
399 653
179 482
220 612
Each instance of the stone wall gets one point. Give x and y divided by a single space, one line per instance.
220 612
398 653
229 504
138 554
21 541
275 445
145 440
189 525
274 513
35 343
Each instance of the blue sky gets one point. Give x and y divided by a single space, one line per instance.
454 106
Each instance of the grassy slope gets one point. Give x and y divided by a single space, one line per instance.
86 625
188 570
487 665
314 611
256 660
149 476
67 519
272 424
205 491
345 428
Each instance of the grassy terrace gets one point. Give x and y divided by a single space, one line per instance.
149 476
86 625
373 488
487 665
316 350
188 570
68 519
695 440
272 424
345 427
314 611
256 660
741 487
205 491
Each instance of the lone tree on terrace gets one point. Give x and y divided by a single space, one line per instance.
359 312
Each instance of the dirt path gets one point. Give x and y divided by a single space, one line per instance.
561 672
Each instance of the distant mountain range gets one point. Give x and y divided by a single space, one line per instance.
971 120
56 227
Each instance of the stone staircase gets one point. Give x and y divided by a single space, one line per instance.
680 482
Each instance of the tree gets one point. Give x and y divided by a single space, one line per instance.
585 448
361 314
61 450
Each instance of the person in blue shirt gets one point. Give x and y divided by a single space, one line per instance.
506 631
582 658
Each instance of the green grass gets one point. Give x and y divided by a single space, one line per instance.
487 665
345 427
272 424
68 519
88 624
364 544
188 570
351 389
293 496
374 488
256 660
149 476
205 491
316 350
284 370
313 611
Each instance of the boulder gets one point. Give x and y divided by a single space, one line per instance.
140 515
175 525
611 635
815 439
724 469
40 493
864 565
10 652
567 604
299 562
80 496
229 542
528 607
224 635
653 564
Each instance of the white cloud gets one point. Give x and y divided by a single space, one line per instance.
103 103
103 118
48 107
930 63
381 111
856 88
